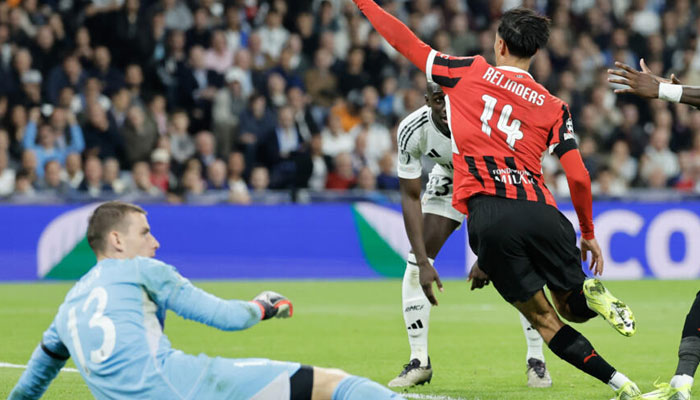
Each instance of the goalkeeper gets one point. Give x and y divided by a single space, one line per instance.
111 322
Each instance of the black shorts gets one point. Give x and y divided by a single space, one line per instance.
523 245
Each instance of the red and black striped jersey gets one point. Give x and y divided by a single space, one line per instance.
501 121
504 123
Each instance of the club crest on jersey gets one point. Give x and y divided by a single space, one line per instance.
404 157
569 129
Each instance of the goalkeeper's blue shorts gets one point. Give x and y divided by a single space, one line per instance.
203 377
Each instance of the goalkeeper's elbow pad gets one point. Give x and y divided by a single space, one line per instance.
273 304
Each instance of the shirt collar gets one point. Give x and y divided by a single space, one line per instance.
514 69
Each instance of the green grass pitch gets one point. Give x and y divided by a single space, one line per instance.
476 342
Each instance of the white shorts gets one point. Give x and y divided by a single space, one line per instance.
437 198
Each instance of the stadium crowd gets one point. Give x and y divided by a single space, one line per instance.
174 100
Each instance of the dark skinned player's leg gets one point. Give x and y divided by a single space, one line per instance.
436 230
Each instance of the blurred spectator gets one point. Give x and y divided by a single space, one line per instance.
229 103
259 179
204 148
111 176
377 136
236 36
388 178
200 33
321 164
354 75
24 191
197 87
219 57
129 27
103 70
156 114
303 119
216 176
70 73
51 184
101 137
192 183
273 35
280 149
607 184
118 108
73 174
181 143
343 176
161 176
622 164
236 168
139 136
7 175
177 14
320 81
335 140
689 177
366 180
47 148
92 185
141 178
658 162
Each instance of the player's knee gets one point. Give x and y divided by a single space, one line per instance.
325 382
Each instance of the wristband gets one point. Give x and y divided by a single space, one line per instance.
670 92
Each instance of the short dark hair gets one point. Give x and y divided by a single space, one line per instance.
105 218
523 31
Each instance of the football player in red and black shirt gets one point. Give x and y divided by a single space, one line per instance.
502 121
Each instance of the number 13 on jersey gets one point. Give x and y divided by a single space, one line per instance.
511 130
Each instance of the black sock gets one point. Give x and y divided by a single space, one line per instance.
689 350
575 349
577 305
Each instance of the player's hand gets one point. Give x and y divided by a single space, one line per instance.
427 275
274 305
478 277
596 264
641 83
673 80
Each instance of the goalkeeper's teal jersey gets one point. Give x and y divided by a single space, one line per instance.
111 323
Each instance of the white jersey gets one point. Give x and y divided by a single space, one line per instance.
418 136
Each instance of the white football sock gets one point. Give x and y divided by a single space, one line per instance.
617 380
534 340
416 311
678 381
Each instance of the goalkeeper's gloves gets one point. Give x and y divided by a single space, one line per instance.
273 304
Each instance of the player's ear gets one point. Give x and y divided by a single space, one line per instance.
426 99
114 240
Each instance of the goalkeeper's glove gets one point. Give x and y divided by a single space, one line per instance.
273 304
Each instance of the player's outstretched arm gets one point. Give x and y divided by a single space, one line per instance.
170 290
47 360
645 84
413 221
396 33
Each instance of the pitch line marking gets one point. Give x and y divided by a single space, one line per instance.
429 396
19 366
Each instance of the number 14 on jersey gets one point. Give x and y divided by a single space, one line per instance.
511 130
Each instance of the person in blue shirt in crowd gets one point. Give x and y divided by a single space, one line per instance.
111 322
47 148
